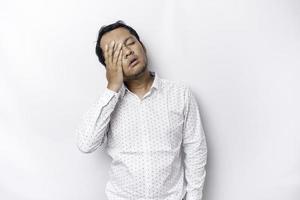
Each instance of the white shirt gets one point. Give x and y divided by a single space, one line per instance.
157 143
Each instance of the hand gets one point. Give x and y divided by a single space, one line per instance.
114 69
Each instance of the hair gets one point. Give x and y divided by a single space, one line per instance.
106 28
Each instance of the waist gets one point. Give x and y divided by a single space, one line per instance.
154 175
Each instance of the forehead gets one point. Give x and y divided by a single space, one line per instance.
118 35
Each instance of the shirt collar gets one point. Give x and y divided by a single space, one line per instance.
156 83
156 80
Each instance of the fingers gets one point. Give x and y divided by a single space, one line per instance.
117 53
112 53
119 62
106 55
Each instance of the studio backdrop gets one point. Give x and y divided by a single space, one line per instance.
240 59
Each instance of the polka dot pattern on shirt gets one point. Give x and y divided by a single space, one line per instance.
157 143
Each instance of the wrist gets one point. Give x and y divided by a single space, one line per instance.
113 87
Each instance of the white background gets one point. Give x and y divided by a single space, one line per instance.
240 58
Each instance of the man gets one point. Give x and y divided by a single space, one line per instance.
151 126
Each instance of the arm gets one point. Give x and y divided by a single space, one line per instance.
93 128
194 148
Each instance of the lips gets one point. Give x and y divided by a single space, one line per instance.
132 61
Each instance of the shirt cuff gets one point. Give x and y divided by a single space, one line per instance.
108 94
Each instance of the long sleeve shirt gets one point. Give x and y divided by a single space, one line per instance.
157 143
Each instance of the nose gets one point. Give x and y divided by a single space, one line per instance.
127 51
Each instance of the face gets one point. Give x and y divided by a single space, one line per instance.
132 48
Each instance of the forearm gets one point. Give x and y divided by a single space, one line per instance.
95 122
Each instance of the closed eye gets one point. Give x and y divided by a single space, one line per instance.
130 43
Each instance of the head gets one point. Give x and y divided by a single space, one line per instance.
133 47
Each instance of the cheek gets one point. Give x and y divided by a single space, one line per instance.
142 53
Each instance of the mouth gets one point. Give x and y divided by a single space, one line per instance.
133 62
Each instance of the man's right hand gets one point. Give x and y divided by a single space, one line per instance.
113 55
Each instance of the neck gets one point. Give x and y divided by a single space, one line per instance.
142 84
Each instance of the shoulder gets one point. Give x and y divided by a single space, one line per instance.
175 86
177 90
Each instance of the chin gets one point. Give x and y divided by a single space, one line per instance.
134 73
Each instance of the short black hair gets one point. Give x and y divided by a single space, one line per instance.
106 28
